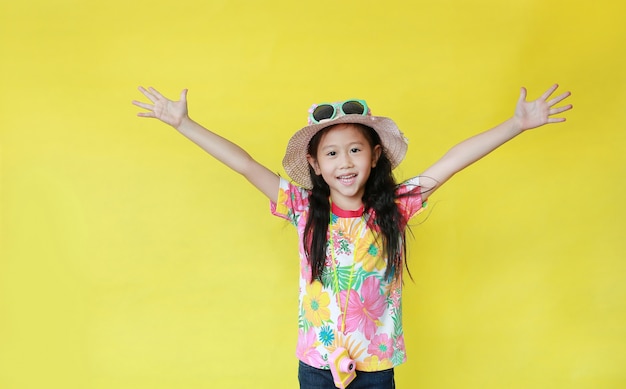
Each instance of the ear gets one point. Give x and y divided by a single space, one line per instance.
376 152
314 164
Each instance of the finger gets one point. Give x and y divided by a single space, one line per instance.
522 95
143 105
146 114
555 111
156 93
549 92
559 98
556 120
146 93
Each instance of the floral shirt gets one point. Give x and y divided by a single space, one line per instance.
355 306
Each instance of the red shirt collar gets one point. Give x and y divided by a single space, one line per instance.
347 214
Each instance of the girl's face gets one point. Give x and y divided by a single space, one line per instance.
345 159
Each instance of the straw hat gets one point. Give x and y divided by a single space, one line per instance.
295 162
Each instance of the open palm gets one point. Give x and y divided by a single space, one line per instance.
532 114
162 108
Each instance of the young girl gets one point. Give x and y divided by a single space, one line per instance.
351 217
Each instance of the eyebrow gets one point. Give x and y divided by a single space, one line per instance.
351 144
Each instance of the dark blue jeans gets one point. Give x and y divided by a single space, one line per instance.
312 378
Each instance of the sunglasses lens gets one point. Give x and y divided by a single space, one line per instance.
353 107
324 111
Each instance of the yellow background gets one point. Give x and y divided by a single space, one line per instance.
130 259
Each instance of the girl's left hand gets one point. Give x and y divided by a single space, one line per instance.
532 114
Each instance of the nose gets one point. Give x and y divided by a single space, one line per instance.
346 161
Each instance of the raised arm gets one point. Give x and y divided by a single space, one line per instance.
528 115
175 114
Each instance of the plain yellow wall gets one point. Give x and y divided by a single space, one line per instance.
130 259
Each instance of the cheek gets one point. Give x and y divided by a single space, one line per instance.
325 170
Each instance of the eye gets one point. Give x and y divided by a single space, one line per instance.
331 153
355 150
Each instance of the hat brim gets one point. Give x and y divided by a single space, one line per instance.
295 161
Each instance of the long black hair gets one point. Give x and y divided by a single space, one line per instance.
379 197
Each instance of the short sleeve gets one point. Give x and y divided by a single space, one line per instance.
409 198
292 203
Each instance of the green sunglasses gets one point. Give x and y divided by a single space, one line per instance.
327 111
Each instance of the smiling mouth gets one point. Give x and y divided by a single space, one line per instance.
347 179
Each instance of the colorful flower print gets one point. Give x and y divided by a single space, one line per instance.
341 245
396 297
363 312
351 343
305 269
400 342
291 204
373 363
306 348
382 346
327 336
369 253
296 199
315 304
349 228
399 354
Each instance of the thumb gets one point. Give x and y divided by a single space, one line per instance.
522 95
183 95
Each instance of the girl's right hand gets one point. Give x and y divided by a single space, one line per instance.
168 111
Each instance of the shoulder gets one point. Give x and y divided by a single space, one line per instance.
293 201
289 192
409 187
409 197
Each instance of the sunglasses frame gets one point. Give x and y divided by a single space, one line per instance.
337 106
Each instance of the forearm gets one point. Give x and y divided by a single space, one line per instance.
469 151
220 148
232 156
478 146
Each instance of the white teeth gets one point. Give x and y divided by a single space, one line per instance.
347 177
